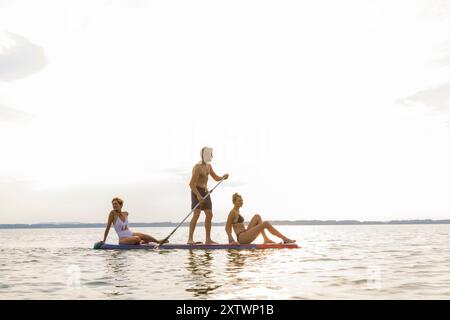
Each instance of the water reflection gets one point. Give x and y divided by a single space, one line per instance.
236 260
118 266
200 265
236 269
240 261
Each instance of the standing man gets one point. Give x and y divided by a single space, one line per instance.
199 189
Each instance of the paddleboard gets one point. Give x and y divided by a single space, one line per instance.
151 246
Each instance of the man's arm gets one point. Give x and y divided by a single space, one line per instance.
214 175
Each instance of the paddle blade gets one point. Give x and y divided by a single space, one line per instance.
98 245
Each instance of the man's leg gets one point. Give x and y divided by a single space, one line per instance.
192 225
208 223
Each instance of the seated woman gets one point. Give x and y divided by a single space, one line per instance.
254 228
119 219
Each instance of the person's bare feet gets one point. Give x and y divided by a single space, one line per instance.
210 242
194 242
287 241
268 241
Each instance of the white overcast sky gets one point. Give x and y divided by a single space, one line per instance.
317 109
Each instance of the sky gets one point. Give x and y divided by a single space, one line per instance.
327 110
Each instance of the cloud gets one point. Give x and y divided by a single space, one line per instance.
5 3
234 184
26 202
19 57
437 97
444 60
175 170
8 114
181 173
128 3
436 8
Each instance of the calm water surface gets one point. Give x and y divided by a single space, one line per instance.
335 262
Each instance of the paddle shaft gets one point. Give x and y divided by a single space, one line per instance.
207 195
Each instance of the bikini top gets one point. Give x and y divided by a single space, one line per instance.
239 219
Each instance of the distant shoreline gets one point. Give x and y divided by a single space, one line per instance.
275 222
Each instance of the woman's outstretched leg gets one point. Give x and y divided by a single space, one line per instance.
277 233
252 233
145 237
256 220
130 240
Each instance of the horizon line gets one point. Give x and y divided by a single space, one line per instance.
172 224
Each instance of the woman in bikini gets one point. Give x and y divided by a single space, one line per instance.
119 219
256 226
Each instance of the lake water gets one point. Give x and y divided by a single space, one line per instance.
335 262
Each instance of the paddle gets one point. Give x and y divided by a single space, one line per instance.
207 195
